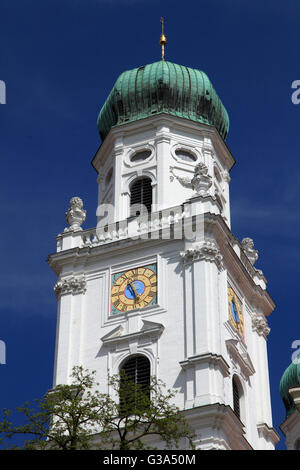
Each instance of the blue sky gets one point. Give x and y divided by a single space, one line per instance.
59 60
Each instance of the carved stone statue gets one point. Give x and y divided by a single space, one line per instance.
75 215
248 247
201 181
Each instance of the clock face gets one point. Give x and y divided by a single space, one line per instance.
235 311
134 288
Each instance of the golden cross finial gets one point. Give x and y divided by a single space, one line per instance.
163 39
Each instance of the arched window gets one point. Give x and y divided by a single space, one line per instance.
140 196
297 444
236 397
135 376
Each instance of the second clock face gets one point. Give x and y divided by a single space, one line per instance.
134 288
235 311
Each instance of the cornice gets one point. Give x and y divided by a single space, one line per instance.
209 358
215 228
219 416
290 422
240 356
268 433
173 122
118 334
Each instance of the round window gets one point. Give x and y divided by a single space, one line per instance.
185 155
140 156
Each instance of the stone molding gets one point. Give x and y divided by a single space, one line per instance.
239 356
117 335
268 433
207 251
212 359
73 285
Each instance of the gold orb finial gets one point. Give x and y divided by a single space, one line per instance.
163 39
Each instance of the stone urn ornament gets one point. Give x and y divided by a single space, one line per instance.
75 215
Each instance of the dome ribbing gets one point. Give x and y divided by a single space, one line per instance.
163 87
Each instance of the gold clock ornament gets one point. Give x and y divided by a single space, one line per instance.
235 311
134 288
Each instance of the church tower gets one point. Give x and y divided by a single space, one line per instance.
161 285
290 394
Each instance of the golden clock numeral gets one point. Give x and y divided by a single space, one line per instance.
152 293
116 303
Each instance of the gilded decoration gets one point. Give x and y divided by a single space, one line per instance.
235 311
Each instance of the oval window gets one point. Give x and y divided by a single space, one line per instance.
140 156
185 155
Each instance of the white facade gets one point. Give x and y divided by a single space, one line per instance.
188 336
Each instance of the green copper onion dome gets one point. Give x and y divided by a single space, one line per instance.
290 379
163 87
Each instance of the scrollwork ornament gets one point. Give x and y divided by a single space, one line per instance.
260 325
206 251
72 285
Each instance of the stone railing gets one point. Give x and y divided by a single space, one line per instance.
172 223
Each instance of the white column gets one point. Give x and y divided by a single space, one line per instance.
189 347
118 156
76 329
63 340
162 156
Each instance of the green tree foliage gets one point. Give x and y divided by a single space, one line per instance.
78 416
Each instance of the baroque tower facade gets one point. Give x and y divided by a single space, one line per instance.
161 282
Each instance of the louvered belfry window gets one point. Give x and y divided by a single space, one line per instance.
236 398
140 197
137 370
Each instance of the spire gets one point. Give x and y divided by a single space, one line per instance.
163 39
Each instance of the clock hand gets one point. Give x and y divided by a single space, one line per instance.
134 289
